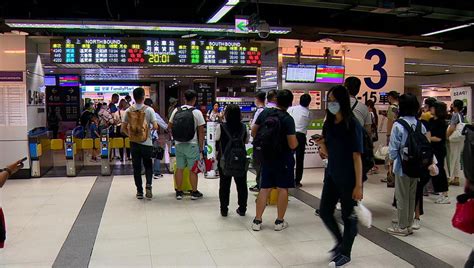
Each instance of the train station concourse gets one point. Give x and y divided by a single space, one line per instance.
236 133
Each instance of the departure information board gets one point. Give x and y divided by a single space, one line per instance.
160 51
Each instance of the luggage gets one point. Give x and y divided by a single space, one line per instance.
186 187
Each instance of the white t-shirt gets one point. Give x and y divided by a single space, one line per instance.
149 117
361 112
198 121
301 116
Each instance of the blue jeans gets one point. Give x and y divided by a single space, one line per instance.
156 166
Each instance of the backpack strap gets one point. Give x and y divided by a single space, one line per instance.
355 104
405 124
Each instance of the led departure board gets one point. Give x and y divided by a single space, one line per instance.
158 51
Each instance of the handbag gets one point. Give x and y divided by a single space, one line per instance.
457 135
463 218
363 215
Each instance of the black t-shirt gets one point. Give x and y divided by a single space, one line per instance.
85 118
287 124
341 144
438 129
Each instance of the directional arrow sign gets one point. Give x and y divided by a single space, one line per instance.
241 25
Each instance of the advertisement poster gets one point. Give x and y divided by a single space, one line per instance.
315 100
311 156
464 94
296 96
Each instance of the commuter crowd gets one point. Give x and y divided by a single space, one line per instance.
424 152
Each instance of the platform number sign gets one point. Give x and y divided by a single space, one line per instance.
378 67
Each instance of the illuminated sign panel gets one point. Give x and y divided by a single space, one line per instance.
154 51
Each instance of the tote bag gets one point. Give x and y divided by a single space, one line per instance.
457 135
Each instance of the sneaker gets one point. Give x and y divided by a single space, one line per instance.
139 195
179 195
339 261
157 176
454 182
148 193
241 212
256 225
280 225
316 212
396 230
195 195
254 189
416 224
383 180
299 185
443 200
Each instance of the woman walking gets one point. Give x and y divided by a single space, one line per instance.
226 133
342 145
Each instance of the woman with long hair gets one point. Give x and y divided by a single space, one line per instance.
122 107
342 145
455 147
232 128
437 126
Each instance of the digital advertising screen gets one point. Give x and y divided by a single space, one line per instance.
68 80
330 74
300 73
155 51
50 80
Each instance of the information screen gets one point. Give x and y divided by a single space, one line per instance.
300 73
50 80
330 74
68 80
154 51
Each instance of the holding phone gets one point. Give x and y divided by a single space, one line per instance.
316 136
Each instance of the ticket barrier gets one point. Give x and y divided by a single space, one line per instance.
41 156
74 161
104 155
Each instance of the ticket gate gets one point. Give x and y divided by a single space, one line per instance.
69 149
104 155
41 156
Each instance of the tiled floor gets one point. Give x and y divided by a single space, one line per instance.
167 232
39 215
436 237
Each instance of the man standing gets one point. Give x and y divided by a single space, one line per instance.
113 103
271 99
187 128
301 116
260 103
136 125
360 110
277 142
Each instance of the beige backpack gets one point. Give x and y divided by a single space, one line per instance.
138 126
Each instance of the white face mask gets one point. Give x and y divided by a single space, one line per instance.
334 107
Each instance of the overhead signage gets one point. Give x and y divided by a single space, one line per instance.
155 51
64 101
241 25
8 76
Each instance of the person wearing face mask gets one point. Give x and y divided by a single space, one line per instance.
455 147
342 145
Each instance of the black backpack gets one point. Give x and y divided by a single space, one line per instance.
183 125
233 160
417 153
368 159
468 152
267 143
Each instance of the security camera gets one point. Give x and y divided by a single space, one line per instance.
263 29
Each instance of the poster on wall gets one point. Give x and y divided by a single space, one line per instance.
296 96
464 94
315 100
311 156
13 104
380 68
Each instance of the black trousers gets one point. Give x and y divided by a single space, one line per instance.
470 261
419 191
333 193
440 182
300 150
224 191
142 154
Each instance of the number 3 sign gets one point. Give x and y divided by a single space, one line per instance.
380 68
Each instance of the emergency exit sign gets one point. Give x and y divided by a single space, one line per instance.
241 25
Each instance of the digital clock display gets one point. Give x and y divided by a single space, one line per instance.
154 51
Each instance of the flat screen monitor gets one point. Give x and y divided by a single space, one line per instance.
330 74
68 80
300 73
50 80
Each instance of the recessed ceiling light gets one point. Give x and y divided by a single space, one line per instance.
447 70
436 48
217 72
51 71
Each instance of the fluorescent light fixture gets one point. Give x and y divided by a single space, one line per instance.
14 51
436 48
189 35
449 29
131 26
223 11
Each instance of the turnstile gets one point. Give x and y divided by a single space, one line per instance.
69 150
104 155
